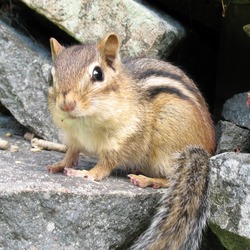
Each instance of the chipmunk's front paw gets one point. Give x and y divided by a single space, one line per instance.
58 167
79 173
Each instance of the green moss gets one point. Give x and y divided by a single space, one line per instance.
210 241
230 240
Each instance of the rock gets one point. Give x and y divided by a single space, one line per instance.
39 210
232 138
230 199
24 68
144 32
236 110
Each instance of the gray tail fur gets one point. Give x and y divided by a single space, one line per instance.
184 208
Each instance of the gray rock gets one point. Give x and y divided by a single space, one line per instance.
232 138
236 110
24 68
44 211
230 199
143 31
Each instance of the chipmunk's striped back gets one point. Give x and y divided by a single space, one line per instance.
156 77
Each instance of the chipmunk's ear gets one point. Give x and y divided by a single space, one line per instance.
55 47
109 49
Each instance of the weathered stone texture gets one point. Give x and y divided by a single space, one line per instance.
39 210
24 68
236 110
232 138
230 195
142 31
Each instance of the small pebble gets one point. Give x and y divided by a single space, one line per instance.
13 148
8 134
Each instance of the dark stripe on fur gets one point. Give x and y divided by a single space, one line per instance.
155 72
156 90
162 73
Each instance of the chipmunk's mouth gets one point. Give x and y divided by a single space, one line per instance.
72 116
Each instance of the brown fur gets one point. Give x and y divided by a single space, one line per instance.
140 115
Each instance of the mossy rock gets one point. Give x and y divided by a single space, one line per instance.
230 240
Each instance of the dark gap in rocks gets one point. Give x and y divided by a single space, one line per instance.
4 110
198 53
9 124
210 241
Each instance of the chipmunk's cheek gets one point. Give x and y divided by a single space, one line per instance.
84 107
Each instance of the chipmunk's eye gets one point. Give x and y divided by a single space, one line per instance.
50 79
97 74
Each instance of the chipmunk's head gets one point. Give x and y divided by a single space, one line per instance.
84 78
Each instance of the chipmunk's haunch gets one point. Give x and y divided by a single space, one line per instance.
142 114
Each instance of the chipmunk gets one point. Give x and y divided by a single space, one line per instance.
142 114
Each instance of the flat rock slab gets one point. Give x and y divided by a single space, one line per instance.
39 210
144 32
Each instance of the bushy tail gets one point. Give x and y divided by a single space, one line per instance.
184 208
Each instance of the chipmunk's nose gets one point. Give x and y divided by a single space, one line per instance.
68 106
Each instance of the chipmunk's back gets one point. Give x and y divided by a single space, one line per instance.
159 77
163 82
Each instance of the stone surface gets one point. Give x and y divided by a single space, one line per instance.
143 31
44 211
232 138
230 199
24 68
236 110
39 210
